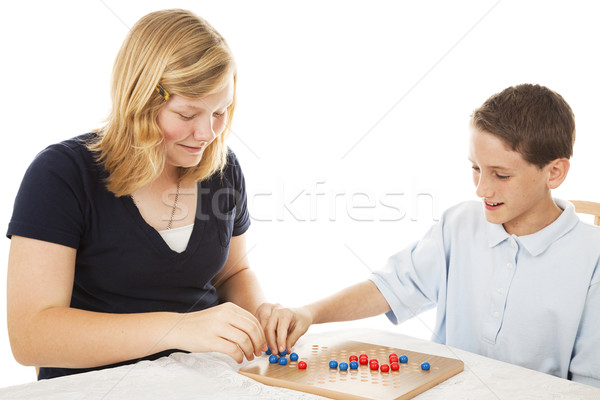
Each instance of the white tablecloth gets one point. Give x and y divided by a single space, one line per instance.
215 376
179 376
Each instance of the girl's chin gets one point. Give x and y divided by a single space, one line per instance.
189 162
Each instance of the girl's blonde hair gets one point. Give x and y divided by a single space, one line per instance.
186 56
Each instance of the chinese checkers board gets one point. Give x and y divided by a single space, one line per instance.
406 380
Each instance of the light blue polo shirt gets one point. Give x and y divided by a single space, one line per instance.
529 300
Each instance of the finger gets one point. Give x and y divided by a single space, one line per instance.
225 346
256 333
257 336
268 322
249 325
270 330
283 325
241 339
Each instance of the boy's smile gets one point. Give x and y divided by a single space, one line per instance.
515 193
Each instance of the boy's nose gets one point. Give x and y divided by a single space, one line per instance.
483 189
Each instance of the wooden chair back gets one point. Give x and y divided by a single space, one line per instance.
588 207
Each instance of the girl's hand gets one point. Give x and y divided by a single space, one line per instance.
226 328
283 326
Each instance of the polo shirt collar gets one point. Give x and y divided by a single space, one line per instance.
538 242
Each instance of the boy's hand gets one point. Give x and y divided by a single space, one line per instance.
283 326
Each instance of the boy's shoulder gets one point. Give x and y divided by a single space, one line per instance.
583 244
463 222
464 213
580 228
590 229
466 207
586 236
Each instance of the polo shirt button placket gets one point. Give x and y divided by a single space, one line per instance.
502 290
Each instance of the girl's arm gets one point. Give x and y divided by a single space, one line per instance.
45 331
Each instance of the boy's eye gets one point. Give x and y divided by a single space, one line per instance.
474 168
502 176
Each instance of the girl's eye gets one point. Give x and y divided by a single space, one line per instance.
219 115
474 168
185 117
502 176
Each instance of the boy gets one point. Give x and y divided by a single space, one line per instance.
515 277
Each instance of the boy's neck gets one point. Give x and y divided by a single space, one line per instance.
535 220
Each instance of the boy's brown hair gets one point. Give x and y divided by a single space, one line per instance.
532 119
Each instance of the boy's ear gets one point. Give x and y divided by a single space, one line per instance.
557 172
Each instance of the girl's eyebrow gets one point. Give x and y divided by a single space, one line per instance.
195 108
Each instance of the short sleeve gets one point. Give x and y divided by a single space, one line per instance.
412 279
48 204
242 216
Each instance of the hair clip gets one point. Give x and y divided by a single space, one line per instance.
161 90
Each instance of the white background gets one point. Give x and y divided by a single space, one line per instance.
350 108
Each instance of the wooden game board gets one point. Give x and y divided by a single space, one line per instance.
361 383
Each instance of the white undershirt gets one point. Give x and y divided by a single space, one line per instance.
177 238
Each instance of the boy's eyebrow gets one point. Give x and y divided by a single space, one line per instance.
494 166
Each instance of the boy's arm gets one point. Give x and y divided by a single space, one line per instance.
284 326
410 282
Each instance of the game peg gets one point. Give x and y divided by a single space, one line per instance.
395 366
353 364
403 359
384 368
343 366
425 366
293 357
283 353
333 364
273 359
301 365
353 358
282 361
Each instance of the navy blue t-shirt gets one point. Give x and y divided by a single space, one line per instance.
123 265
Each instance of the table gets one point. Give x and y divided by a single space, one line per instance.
214 376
